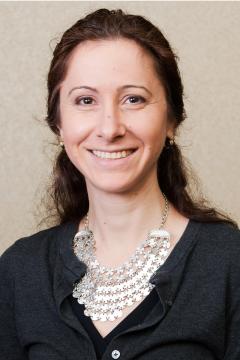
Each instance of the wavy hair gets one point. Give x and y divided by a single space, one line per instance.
67 195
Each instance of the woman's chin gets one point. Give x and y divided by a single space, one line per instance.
111 186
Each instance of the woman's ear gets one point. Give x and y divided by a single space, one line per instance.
171 130
60 132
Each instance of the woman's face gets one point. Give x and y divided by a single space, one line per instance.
113 112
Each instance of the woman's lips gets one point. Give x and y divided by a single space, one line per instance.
113 161
112 155
112 150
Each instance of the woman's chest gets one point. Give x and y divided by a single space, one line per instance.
105 327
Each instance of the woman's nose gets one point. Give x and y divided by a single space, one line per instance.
111 124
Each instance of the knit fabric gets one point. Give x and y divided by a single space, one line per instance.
197 316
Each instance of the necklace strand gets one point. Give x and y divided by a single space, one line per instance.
106 291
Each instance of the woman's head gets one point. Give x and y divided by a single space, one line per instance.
102 27
112 104
104 24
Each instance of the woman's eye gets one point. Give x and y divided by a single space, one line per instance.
86 100
135 100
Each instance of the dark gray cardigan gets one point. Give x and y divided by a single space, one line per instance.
198 286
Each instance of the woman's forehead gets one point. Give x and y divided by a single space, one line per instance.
103 46
111 59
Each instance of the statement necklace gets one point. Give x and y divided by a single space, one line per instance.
106 291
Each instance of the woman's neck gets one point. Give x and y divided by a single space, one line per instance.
121 222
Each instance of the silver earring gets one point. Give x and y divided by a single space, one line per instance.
172 141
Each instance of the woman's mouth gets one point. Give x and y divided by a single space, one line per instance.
113 159
112 155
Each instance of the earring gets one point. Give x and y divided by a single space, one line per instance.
61 143
169 143
172 141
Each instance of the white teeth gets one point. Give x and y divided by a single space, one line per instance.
112 155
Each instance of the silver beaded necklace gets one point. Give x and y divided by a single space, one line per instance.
106 291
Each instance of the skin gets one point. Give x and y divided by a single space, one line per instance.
124 196
125 201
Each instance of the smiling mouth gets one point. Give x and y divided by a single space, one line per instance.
112 155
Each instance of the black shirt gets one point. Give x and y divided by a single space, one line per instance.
136 317
197 316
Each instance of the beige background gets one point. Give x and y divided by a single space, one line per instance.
206 37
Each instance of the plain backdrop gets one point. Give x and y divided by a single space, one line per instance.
206 37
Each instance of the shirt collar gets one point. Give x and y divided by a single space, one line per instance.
73 268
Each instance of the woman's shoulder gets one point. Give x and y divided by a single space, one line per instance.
220 231
34 241
42 244
220 238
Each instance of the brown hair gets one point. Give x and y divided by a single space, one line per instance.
68 190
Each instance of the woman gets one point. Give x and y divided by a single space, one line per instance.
134 269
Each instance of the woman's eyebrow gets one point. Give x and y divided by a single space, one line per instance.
82 87
136 86
120 88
